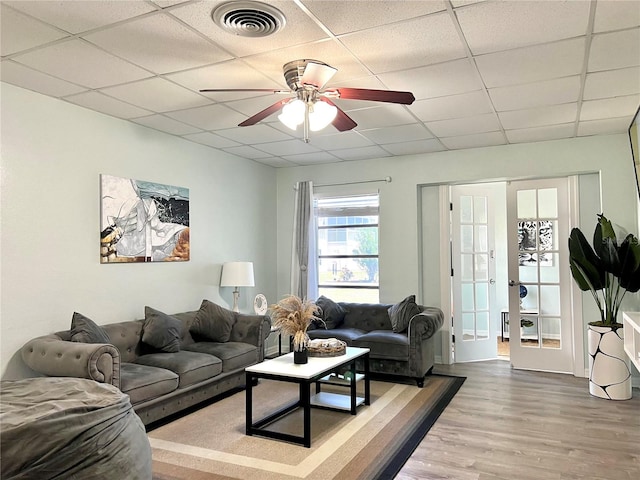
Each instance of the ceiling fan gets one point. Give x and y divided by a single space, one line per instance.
312 106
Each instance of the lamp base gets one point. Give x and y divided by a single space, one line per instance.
236 297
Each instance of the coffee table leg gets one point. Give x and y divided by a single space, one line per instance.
305 401
249 402
354 394
367 389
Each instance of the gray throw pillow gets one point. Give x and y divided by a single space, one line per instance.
332 313
213 322
85 330
161 331
401 313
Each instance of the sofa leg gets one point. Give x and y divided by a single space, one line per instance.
420 382
430 371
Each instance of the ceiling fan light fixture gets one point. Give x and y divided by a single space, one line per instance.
321 114
293 114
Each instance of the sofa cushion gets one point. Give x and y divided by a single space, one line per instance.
332 313
348 335
213 322
85 330
161 331
191 367
385 344
401 313
143 383
234 355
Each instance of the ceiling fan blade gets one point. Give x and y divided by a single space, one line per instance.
271 90
264 113
342 122
317 74
390 96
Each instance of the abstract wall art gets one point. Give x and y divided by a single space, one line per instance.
143 221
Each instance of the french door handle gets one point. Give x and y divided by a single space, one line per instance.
492 281
513 283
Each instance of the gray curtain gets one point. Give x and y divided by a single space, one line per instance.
302 262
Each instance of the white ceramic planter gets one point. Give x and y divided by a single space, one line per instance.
609 374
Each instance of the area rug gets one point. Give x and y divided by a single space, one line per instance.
211 444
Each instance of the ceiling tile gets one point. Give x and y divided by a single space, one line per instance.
30 79
111 106
495 26
80 62
231 74
157 94
336 141
299 28
19 32
422 41
403 133
464 126
531 64
615 50
604 127
254 134
310 158
209 117
613 83
538 117
474 141
384 115
616 15
275 162
80 16
411 148
351 16
609 108
452 106
247 152
361 153
539 134
539 94
211 139
158 43
160 122
448 78
287 147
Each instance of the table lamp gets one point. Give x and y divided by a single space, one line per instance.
237 274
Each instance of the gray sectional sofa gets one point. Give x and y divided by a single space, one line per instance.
164 367
400 336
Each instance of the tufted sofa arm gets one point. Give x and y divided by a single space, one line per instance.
52 356
425 324
253 329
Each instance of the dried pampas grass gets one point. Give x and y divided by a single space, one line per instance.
293 316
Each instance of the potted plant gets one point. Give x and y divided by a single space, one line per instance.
608 271
293 316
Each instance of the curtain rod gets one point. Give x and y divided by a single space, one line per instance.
385 179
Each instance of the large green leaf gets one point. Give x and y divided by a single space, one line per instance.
585 265
629 253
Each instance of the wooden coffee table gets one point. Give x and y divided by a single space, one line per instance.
315 371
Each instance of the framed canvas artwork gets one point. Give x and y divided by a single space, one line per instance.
143 221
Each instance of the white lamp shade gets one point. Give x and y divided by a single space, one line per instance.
237 274
292 114
321 115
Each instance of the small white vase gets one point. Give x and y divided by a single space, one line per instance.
609 373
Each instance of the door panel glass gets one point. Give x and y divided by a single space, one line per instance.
550 332
548 235
526 204
548 203
528 274
480 209
466 265
529 331
482 267
466 238
529 298
466 209
468 326
482 296
468 302
482 325
481 238
550 271
550 299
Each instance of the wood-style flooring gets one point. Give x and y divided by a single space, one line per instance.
520 425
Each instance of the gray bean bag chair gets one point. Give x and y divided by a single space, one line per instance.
70 428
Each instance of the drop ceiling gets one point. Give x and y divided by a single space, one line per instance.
483 72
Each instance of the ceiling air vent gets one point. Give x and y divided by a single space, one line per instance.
249 19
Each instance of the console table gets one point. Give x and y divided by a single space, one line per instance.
631 326
504 329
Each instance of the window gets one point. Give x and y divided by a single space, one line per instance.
348 248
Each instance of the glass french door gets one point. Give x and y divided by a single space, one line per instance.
539 319
473 279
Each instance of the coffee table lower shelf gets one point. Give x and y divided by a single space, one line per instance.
336 401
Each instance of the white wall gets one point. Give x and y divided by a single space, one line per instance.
52 156
401 208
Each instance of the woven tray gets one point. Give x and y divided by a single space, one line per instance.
326 347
